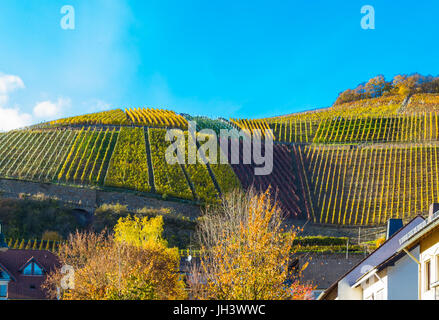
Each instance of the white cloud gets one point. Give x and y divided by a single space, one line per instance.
48 110
8 83
13 119
96 105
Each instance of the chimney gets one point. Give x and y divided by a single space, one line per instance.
393 225
3 244
434 207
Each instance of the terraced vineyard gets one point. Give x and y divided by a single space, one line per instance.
137 116
89 156
357 163
129 165
362 162
34 155
393 128
169 179
156 118
116 116
372 184
284 180
419 127
423 103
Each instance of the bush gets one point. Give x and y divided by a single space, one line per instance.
320 241
107 215
29 219
51 235
177 229
379 242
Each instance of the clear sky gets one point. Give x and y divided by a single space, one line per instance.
230 58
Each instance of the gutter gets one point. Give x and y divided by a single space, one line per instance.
366 276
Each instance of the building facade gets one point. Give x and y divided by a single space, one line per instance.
426 237
394 279
385 274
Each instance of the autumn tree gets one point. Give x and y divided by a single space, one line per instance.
133 264
376 86
414 83
401 84
430 86
246 252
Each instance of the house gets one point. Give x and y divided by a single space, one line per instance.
22 272
425 237
394 279
385 274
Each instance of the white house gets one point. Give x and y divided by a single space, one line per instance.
425 237
394 279
385 274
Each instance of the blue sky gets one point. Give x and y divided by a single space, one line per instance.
216 58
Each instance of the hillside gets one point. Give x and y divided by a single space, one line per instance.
356 163
365 161
89 152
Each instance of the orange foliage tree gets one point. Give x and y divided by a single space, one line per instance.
134 264
246 253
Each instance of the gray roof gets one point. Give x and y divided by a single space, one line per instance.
380 255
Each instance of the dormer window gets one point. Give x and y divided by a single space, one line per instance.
4 275
32 268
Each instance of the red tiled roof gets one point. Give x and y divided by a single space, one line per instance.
31 259
26 287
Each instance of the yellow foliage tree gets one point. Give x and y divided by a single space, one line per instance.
141 232
135 264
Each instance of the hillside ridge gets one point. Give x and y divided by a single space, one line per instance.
357 163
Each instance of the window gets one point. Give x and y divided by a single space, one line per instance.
427 275
32 269
28 270
3 290
37 270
